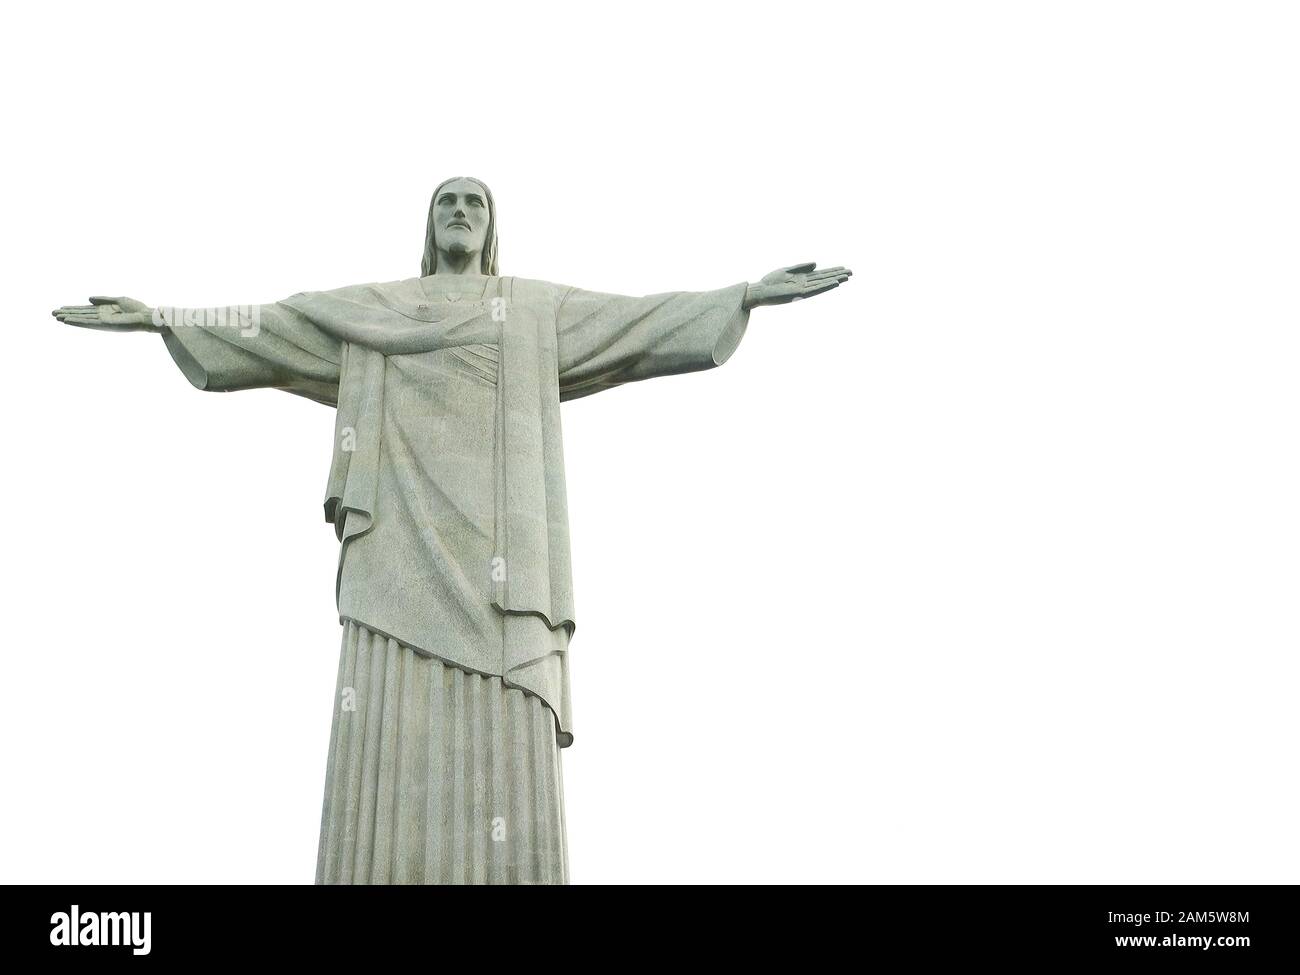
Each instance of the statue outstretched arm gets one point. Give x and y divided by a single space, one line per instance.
606 340
229 348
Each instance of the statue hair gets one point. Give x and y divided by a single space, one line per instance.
488 258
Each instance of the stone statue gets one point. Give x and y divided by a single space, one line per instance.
447 495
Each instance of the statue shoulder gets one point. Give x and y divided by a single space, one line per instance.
376 292
524 289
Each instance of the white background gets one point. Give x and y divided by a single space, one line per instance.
982 568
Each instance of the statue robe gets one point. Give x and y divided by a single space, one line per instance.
447 483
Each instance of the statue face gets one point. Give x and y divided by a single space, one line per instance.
460 218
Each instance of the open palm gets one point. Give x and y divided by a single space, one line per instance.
110 314
787 284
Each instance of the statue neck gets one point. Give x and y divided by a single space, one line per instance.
458 263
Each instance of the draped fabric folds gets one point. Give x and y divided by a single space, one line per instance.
417 428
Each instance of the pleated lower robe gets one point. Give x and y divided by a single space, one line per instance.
437 775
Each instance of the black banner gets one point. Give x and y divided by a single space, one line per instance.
146 925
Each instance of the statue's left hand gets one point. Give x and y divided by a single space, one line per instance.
790 283
109 314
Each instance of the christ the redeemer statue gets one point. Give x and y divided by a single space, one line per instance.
447 495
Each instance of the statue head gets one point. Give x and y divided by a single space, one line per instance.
462 223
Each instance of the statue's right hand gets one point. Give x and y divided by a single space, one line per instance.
111 314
